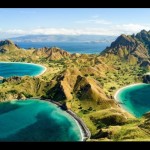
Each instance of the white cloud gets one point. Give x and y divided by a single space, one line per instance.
112 29
14 31
55 31
63 31
128 28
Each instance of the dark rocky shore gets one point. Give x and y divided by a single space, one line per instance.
85 130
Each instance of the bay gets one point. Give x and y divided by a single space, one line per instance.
8 69
36 120
135 99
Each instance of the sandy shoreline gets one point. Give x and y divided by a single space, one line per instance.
42 71
85 133
117 100
115 96
28 63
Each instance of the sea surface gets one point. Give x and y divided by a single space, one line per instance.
72 47
135 99
20 69
36 120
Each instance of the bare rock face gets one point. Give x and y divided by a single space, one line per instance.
144 37
130 48
146 78
53 53
8 46
6 42
2 50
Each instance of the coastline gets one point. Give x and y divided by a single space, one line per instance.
85 133
45 68
42 71
116 93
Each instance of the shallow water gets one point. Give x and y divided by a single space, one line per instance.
36 120
135 99
19 69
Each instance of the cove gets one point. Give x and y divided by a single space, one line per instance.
36 120
135 98
8 69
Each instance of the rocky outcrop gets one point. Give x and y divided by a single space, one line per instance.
128 48
144 37
7 46
6 42
146 78
53 53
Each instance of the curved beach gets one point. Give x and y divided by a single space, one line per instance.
134 99
29 63
85 133
115 96
42 71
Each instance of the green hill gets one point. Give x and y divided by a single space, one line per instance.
86 83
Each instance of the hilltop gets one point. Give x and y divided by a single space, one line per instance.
7 48
86 83
132 48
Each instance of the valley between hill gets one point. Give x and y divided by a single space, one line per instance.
86 83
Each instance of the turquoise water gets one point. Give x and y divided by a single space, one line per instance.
135 99
36 120
20 69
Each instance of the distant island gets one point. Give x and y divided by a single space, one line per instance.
87 83
65 38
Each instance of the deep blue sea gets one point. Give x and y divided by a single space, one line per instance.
8 69
74 47
36 121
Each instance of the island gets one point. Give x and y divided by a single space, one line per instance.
86 83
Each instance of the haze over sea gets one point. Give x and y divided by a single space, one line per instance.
72 47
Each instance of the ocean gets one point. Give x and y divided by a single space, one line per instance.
135 99
72 47
8 69
34 120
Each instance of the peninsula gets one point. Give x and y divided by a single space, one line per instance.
86 83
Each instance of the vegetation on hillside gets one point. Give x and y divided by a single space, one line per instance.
86 83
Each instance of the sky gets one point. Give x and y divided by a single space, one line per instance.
73 21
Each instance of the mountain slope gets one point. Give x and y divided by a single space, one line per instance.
144 37
9 50
7 46
128 48
86 83
53 53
